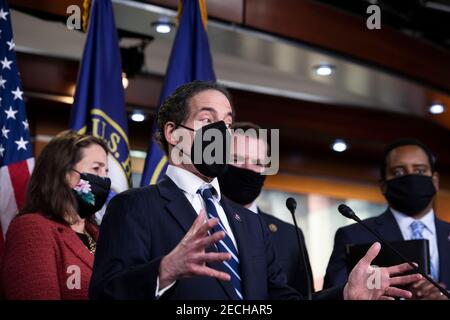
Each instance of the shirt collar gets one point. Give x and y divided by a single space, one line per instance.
404 221
253 207
189 182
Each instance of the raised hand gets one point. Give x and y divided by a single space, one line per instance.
425 290
189 258
367 282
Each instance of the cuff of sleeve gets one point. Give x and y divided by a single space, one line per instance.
159 293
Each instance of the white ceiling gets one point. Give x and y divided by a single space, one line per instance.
242 59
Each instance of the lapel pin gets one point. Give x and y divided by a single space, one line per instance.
237 217
448 237
273 227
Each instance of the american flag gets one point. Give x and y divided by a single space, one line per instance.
16 157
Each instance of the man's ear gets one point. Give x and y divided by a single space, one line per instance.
169 128
435 178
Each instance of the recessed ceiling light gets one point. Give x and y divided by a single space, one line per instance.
324 69
162 26
437 108
339 145
137 116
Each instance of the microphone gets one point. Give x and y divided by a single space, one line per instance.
291 204
347 212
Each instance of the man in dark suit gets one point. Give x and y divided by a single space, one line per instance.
242 183
409 183
157 242
287 251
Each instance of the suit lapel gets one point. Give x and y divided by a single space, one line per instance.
177 205
92 228
183 212
388 227
443 242
76 246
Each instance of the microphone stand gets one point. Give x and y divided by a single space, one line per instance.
291 204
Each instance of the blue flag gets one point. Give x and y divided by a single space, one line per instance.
99 106
190 60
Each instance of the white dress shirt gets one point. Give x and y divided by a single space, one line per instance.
189 184
429 232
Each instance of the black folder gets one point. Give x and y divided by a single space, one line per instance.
415 250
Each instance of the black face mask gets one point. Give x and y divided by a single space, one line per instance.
217 165
410 194
240 185
91 193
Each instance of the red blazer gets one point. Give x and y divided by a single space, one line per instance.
44 259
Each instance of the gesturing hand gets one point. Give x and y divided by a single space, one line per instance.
383 287
189 258
425 290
